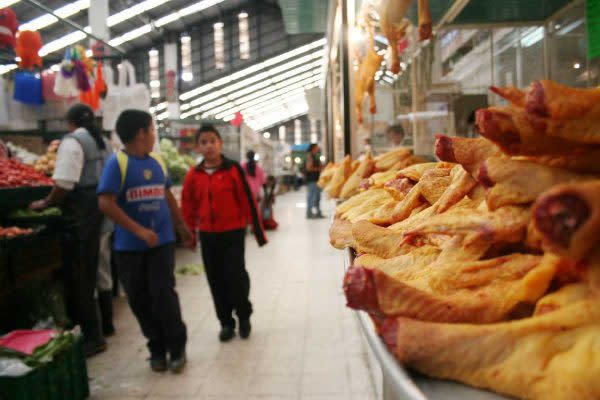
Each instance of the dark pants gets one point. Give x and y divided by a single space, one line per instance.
81 244
148 278
223 256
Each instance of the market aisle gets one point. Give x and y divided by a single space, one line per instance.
304 344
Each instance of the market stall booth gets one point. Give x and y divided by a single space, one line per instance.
426 244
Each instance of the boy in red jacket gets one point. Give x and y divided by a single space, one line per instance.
218 204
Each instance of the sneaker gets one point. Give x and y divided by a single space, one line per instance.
177 364
245 328
320 216
158 364
227 333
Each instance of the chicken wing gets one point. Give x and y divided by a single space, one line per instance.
518 133
478 292
393 25
340 234
554 356
425 30
469 153
461 185
364 170
512 94
512 182
568 218
339 178
504 225
390 159
552 100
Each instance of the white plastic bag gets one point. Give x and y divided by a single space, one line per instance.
127 95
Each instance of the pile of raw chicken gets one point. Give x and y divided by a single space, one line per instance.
484 268
345 179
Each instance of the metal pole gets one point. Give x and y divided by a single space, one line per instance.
344 43
72 24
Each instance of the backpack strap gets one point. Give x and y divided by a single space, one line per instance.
161 162
123 161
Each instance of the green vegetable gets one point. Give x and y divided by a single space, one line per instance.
25 213
46 353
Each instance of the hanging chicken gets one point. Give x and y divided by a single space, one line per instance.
393 25
29 44
8 28
364 80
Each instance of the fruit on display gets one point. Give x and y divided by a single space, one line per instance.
177 164
13 231
22 154
46 162
14 174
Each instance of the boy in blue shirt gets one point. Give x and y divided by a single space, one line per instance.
134 192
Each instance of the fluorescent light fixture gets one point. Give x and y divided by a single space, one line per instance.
533 37
7 68
186 58
576 65
8 3
257 67
219 41
187 76
264 77
46 20
127 14
244 35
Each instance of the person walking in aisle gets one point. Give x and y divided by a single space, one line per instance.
218 203
79 162
313 192
134 192
254 175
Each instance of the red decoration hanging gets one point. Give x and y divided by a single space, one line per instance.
237 119
29 44
8 28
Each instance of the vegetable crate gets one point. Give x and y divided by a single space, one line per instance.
65 378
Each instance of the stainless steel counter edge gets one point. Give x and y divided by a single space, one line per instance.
395 376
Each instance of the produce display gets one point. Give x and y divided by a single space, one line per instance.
46 162
484 268
345 179
14 231
22 154
31 214
15 174
177 164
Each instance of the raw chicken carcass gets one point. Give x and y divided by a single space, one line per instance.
519 133
339 177
568 218
470 153
364 170
549 99
364 81
478 291
393 25
512 182
554 356
512 94
326 175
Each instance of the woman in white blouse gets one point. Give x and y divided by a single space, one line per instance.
79 162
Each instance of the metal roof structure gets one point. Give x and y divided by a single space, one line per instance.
268 87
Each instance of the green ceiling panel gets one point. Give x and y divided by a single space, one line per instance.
493 11
304 16
508 11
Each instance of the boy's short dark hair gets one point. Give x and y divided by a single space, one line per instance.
130 122
396 130
207 128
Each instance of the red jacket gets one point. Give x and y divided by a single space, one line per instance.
220 201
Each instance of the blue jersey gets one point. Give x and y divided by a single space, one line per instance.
141 194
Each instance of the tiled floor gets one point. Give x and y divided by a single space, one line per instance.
305 344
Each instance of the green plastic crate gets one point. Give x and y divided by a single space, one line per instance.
65 378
